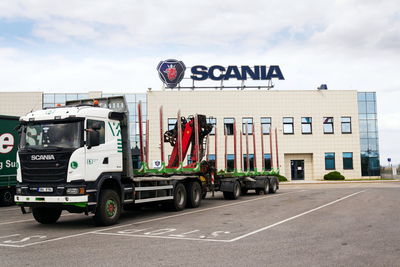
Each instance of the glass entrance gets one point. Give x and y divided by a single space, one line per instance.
297 169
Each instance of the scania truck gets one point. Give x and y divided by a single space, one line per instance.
78 158
8 163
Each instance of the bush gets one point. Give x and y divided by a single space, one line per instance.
333 176
280 178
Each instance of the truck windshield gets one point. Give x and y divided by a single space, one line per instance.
51 135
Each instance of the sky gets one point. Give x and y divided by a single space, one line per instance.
114 46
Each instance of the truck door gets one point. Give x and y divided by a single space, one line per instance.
96 156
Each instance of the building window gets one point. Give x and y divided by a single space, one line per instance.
328 125
265 125
249 122
306 125
211 159
230 159
267 162
288 125
228 125
171 124
329 161
251 161
347 160
213 122
346 125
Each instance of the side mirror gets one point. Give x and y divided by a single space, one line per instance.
93 139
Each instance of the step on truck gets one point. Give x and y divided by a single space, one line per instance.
8 164
78 158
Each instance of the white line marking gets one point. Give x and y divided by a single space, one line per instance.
294 217
167 237
8 236
29 220
155 219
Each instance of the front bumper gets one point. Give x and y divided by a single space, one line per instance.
50 199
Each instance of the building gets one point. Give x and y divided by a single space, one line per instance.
312 131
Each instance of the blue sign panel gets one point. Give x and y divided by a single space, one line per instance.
171 72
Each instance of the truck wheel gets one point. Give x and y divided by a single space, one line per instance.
194 195
108 209
265 189
235 194
273 186
46 215
6 197
179 201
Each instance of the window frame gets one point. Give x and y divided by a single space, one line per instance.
226 131
334 161
288 123
352 162
328 123
342 123
249 125
169 124
213 122
266 123
306 123
102 139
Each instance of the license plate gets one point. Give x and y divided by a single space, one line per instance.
45 189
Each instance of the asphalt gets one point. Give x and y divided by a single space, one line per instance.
352 224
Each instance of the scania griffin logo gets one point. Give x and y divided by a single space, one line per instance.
43 157
171 72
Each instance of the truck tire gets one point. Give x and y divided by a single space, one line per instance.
235 194
108 209
180 198
265 189
194 195
7 197
46 215
273 186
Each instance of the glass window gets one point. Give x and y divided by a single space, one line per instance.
251 161
48 98
372 135
371 126
363 126
371 107
60 98
72 97
211 159
228 125
362 116
141 97
371 116
99 126
363 144
48 105
267 161
171 124
346 125
361 96
130 97
372 144
329 161
288 127
328 125
83 96
362 107
306 125
249 122
370 96
347 160
265 125
213 122
230 162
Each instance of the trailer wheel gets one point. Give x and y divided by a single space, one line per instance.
6 197
265 189
46 215
180 198
194 195
236 192
273 186
108 209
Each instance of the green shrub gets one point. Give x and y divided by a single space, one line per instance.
335 175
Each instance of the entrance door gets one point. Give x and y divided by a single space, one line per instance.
297 169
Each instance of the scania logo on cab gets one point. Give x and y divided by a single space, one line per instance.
43 157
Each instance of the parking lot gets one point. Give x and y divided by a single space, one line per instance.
336 224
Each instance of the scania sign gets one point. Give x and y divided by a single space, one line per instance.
172 71
43 157
217 73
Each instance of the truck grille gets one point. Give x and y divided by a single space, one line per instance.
45 169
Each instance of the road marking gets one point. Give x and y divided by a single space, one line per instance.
6 236
151 220
295 217
29 220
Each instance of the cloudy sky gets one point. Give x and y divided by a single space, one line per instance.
76 45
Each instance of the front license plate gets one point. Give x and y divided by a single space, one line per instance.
45 189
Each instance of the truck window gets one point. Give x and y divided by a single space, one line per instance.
95 125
